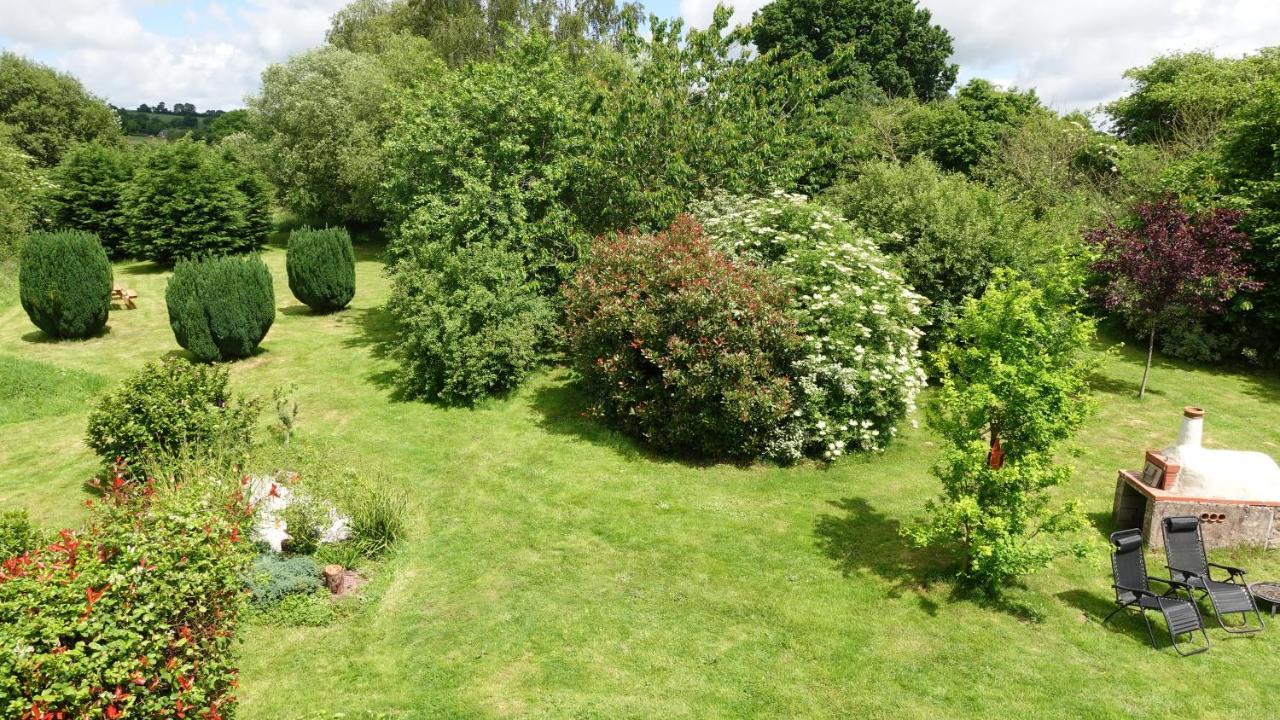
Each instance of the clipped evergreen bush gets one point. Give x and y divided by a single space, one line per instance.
322 268
221 308
64 281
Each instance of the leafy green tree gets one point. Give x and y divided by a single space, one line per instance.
21 190
229 123
50 111
322 121
895 40
1013 387
88 191
958 133
64 282
187 200
220 308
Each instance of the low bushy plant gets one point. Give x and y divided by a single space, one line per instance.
681 346
322 268
377 518
305 518
860 372
64 281
297 610
167 407
18 535
274 577
134 616
221 308
471 323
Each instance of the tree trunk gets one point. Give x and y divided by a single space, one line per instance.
1151 348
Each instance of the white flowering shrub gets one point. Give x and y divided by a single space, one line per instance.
861 371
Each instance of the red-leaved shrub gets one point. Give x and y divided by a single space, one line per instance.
680 345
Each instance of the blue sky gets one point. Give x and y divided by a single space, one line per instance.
211 52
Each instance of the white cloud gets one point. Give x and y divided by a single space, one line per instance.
1075 53
211 56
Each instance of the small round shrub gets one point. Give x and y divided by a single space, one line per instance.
322 268
274 577
64 281
168 406
860 370
679 345
221 308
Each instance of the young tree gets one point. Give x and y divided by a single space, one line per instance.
50 111
894 39
1013 374
1170 267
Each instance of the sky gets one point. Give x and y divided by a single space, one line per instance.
212 52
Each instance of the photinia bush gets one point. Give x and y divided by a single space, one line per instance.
681 346
134 616
860 371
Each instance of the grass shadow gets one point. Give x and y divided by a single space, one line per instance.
1095 608
860 538
563 409
375 330
139 269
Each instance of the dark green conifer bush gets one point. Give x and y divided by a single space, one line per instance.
88 187
322 268
221 308
64 280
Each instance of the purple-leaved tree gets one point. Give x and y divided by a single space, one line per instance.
1170 266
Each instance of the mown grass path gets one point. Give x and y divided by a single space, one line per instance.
556 570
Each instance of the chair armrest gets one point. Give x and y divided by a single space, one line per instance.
1230 570
1137 591
1167 581
1184 573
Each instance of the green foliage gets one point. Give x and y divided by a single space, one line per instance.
322 268
948 233
168 407
64 281
134 615
305 519
471 324
220 308
895 40
484 159
957 134
377 518
229 123
296 610
21 190
860 371
88 187
274 577
187 200
31 389
50 111
1014 375
680 346
18 535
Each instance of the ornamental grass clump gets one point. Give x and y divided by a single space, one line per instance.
322 268
860 370
679 345
64 281
221 308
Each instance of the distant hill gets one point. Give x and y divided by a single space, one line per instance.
148 123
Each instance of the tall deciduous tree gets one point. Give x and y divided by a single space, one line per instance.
896 40
1170 267
50 111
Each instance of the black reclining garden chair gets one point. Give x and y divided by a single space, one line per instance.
1133 590
1184 551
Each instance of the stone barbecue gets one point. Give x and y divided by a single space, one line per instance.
1235 494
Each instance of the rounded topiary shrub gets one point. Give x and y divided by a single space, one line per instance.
681 346
860 371
167 407
322 268
221 308
64 282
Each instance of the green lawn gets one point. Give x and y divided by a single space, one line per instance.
556 570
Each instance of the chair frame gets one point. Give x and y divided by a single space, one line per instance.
1235 576
1164 602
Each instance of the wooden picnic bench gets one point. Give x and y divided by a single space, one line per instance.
124 295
